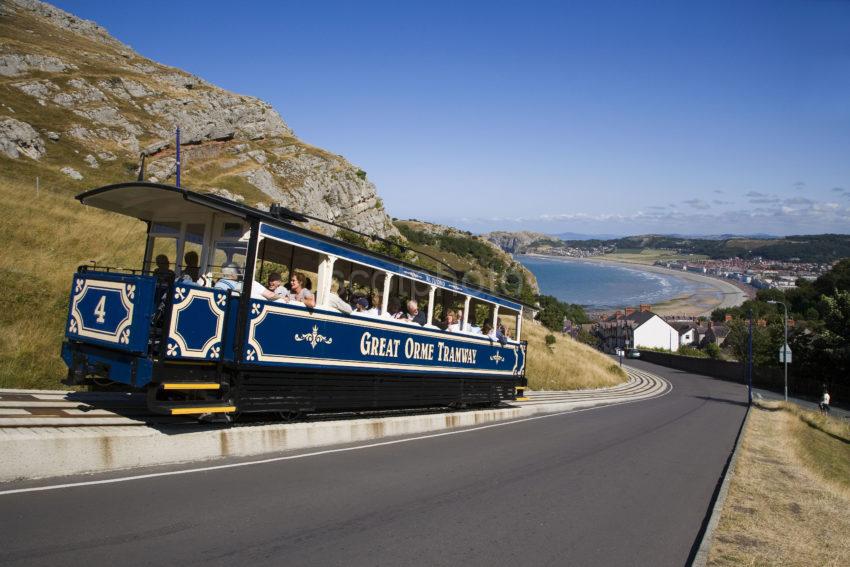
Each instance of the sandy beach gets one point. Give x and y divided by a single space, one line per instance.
710 293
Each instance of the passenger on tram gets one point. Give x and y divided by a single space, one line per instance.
271 293
413 313
376 300
335 301
451 324
191 269
461 328
361 307
394 308
229 279
500 328
299 293
275 283
493 334
163 268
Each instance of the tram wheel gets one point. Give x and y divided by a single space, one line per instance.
288 415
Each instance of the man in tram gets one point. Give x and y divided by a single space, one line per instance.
163 267
276 286
334 300
229 279
191 269
413 313
297 291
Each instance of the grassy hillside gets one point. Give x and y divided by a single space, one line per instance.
40 255
789 499
566 365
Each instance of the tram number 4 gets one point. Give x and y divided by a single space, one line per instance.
100 310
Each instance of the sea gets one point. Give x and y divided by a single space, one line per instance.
599 286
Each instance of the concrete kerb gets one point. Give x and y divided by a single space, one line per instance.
701 557
41 453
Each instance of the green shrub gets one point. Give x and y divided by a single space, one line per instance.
712 350
691 351
550 340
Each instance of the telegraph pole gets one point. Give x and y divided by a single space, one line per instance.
750 360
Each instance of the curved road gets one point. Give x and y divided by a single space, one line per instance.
622 485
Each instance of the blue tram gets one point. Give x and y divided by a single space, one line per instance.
199 347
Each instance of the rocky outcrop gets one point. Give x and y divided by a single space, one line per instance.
516 242
109 100
16 64
72 173
19 138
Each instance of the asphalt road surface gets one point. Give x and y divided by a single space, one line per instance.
623 485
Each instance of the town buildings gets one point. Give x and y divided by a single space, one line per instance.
637 328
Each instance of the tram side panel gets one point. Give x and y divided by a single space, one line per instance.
332 361
108 327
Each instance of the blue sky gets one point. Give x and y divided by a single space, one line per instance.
596 117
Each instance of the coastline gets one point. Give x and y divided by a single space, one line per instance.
711 293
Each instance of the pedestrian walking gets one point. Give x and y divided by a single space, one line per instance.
824 402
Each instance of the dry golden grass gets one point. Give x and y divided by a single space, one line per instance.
45 238
789 499
568 364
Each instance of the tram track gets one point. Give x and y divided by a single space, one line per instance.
33 409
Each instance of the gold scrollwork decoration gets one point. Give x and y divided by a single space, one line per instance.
314 337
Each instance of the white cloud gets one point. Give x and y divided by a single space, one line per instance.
697 204
791 216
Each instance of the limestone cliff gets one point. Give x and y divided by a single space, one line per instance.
516 242
78 107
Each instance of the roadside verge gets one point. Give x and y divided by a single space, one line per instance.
31 453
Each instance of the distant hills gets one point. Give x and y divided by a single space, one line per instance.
820 248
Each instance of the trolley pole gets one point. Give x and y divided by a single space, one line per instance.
178 156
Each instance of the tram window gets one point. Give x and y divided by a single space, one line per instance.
357 280
193 248
508 318
307 262
165 229
444 301
273 256
406 289
227 253
162 247
479 313
232 230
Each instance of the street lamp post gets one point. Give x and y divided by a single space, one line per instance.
785 345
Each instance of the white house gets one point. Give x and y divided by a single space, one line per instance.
650 330
637 328
687 333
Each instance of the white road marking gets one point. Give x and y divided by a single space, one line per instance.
664 382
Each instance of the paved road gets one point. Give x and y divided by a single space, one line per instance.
623 485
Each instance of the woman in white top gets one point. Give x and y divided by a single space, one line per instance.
452 324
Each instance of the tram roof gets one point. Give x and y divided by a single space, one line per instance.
145 201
